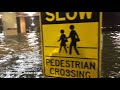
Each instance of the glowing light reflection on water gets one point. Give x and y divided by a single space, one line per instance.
20 56
111 54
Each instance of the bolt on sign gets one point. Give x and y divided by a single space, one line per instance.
71 44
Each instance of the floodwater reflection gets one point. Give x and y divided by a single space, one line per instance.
111 54
20 56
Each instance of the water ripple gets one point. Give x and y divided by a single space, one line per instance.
20 56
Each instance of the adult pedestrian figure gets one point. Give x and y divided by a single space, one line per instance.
74 36
63 40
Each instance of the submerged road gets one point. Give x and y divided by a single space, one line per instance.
20 56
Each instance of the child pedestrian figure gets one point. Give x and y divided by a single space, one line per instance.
63 40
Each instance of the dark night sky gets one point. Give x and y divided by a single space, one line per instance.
111 18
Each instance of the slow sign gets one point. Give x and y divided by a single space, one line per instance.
71 44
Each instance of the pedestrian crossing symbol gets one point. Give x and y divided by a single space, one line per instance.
71 44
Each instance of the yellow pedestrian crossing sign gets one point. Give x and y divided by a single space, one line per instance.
71 44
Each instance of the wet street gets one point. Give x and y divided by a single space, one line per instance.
20 56
111 54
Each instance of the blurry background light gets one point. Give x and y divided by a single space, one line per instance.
30 13
0 16
32 24
32 18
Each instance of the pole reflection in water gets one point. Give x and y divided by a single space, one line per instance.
20 56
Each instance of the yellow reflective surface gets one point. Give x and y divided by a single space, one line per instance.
86 64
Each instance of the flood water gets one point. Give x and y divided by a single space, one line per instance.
20 56
111 54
